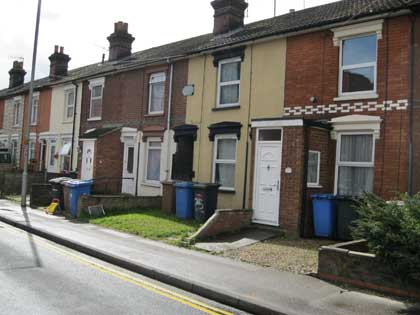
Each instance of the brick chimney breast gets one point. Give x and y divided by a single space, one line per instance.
17 75
120 42
228 15
59 63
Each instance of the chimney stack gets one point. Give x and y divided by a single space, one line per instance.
120 42
228 15
59 63
17 74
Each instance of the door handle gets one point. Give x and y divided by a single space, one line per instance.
278 185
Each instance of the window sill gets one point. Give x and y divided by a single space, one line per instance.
67 121
149 184
314 186
216 109
94 119
155 115
227 191
361 96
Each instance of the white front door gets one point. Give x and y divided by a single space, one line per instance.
87 159
129 169
267 177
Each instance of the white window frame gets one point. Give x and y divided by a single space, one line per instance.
222 161
62 157
357 66
16 112
353 31
92 84
32 150
163 80
221 84
338 163
51 143
146 180
14 150
67 92
315 184
34 109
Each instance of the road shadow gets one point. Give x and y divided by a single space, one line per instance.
34 249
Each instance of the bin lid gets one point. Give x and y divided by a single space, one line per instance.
59 180
324 196
184 185
78 183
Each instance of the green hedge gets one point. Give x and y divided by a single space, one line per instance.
392 230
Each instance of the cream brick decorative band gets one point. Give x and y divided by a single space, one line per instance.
345 108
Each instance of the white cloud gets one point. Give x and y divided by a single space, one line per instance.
81 26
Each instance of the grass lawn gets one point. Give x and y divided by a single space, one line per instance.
152 224
17 199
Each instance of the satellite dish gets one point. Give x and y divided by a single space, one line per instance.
188 90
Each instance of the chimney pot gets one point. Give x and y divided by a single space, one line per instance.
228 15
56 48
61 50
292 11
120 41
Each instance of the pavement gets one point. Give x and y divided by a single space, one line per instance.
244 286
41 277
235 241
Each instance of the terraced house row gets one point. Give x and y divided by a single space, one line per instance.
323 100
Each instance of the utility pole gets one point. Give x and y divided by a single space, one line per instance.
275 8
27 132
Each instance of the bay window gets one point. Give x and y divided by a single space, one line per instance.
224 161
355 163
156 93
314 160
31 152
51 159
65 156
228 85
153 154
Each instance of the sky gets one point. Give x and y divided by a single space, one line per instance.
82 26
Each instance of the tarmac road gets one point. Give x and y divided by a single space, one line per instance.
40 277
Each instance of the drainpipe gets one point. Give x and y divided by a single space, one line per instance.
410 134
248 130
168 121
74 125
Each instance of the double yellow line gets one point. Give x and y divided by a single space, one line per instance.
203 307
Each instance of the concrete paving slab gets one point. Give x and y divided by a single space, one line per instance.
238 240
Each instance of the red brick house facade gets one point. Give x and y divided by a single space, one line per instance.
126 124
312 95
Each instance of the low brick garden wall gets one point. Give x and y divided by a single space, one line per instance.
118 202
224 221
352 263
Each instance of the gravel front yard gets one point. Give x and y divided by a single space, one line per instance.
292 255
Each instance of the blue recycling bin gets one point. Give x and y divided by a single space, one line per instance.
324 207
77 188
184 200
